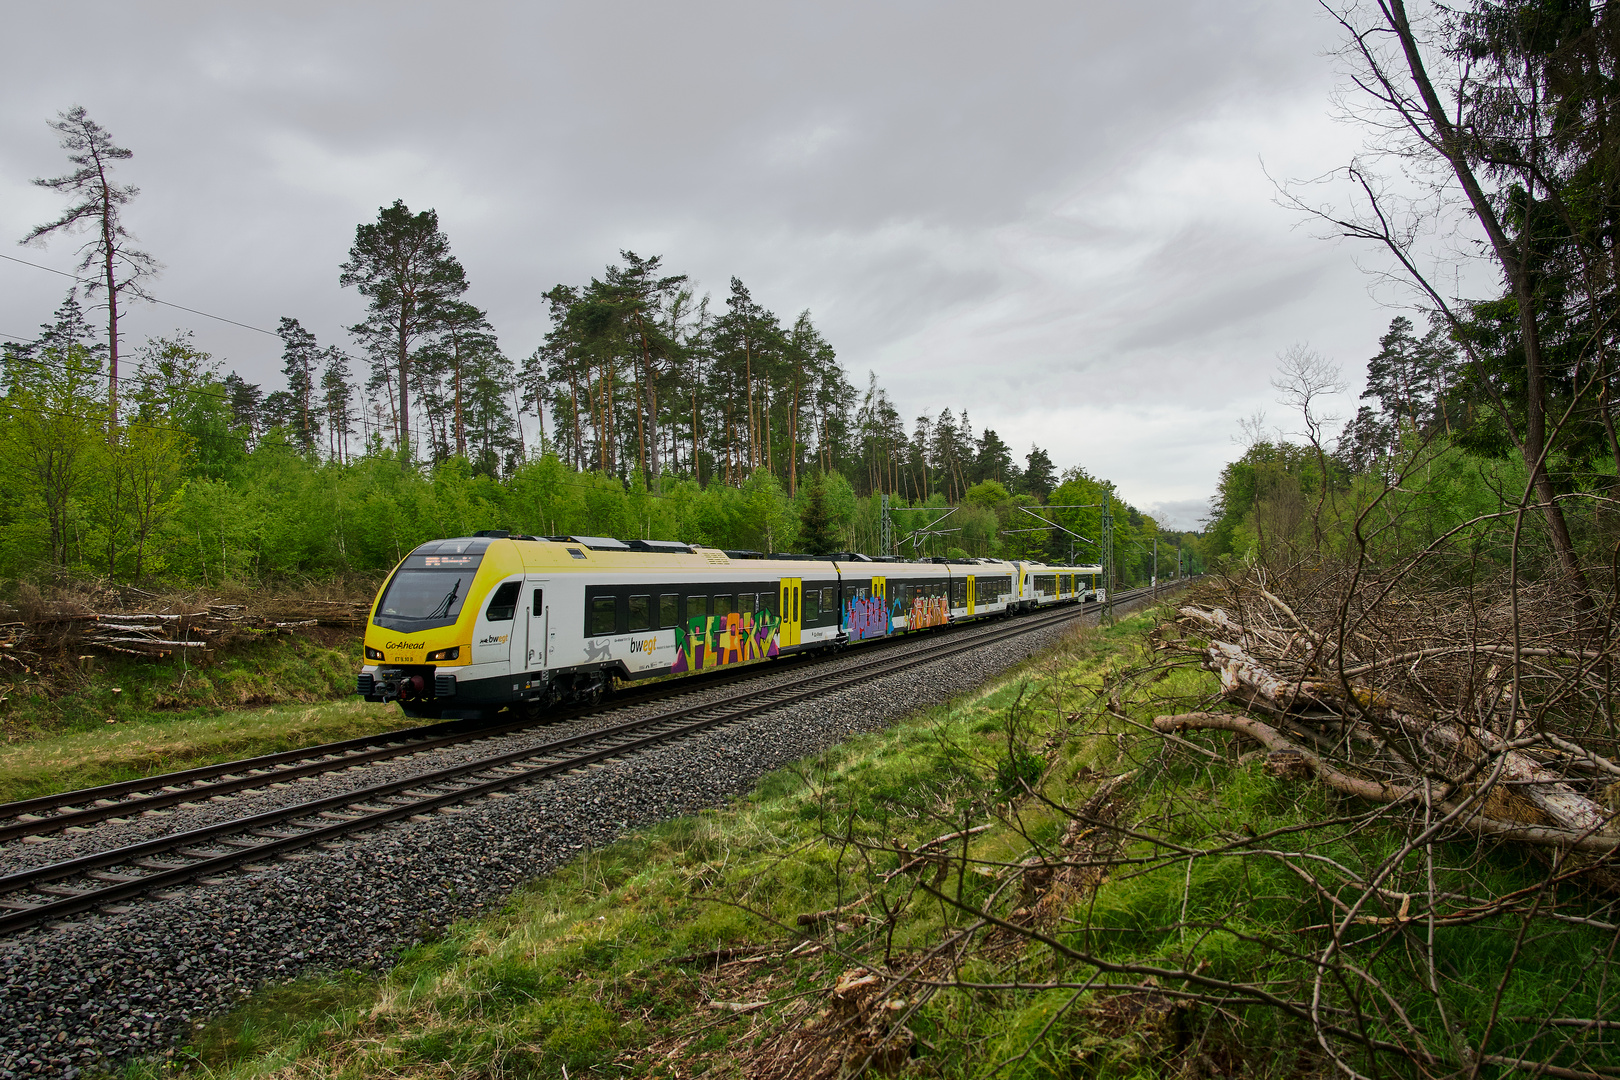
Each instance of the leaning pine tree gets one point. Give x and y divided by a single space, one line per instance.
97 208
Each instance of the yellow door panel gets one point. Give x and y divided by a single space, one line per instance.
792 615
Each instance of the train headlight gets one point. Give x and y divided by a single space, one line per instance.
446 654
373 654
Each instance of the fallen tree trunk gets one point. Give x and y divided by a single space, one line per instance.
1378 791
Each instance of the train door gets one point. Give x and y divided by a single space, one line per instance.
880 594
792 611
493 631
536 638
971 595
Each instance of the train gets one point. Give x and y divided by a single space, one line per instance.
467 627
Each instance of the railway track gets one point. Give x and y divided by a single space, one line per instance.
82 808
105 879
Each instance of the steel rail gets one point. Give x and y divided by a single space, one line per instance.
268 843
19 819
349 749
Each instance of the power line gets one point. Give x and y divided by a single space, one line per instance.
153 299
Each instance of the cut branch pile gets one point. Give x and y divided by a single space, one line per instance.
1495 718
196 629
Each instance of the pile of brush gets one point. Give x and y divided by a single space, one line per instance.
158 630
1489 711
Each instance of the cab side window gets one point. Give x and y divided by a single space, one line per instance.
503 605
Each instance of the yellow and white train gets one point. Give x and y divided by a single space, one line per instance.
466 627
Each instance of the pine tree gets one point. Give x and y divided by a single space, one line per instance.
337 396
67 332
816 535
402 264
247 404
98 206
1039 475
300 360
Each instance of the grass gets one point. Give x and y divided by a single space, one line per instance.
132 718
650 957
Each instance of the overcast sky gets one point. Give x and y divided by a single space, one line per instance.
1056 214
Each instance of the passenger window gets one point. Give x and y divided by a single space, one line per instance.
768 602
669 612
503 605
604 616
724 605
641 613
745 603
812 609
829 601
697 607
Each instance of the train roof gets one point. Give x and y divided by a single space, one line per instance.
568 552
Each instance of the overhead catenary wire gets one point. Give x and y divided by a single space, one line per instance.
144 296
206 315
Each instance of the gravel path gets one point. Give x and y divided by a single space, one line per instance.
106 987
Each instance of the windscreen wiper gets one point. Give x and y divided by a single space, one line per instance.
443 610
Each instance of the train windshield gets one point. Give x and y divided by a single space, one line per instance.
424 598
431 586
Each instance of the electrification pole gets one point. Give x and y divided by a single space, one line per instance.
1108 559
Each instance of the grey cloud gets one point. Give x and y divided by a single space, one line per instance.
935 181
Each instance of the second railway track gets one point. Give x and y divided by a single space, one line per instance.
103 879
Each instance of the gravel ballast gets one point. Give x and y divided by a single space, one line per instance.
106 987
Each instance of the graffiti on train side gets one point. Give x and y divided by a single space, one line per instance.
866 617
927 611
711 641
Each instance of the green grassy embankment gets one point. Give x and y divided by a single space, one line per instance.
681 951
121 718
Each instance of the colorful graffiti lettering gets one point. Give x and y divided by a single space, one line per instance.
866 617
927 611
711 641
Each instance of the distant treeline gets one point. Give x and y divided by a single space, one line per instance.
190 486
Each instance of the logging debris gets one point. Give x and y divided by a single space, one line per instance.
1490 718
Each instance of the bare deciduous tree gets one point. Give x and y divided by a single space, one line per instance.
1475 135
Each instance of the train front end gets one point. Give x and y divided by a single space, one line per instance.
419 638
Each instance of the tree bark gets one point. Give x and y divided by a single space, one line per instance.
1450 143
